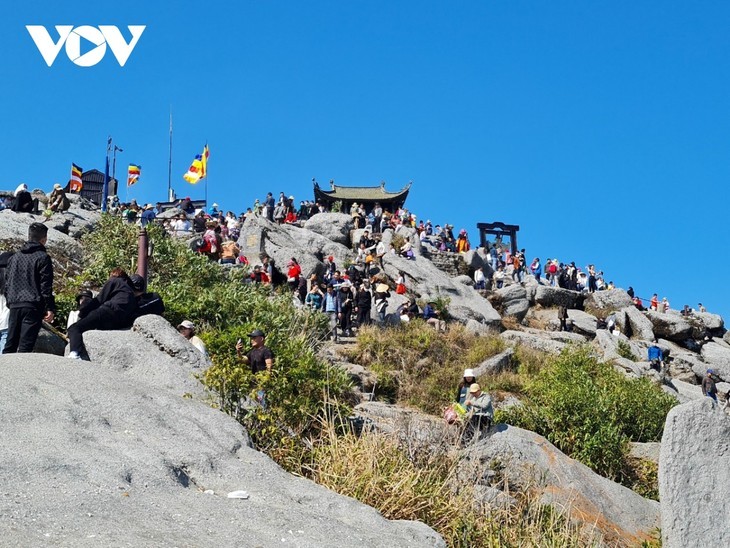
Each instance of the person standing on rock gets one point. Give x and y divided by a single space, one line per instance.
260 357
709 388
4 310
29 291
563 317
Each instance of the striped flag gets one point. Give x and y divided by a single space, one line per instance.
133 174
199 168
75 184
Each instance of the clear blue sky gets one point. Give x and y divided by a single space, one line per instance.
601 128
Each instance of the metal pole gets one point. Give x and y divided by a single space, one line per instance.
169 163
142 253
105 191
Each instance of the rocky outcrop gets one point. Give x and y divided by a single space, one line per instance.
528 461
14 232
669 326
717 357
583 322
602 303
541 342
504 361
693 478
283 242
91 457
333 226
513 301
549 296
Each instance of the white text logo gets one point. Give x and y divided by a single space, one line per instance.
100 37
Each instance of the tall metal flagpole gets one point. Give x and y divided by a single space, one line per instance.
206 174
105 191
170 196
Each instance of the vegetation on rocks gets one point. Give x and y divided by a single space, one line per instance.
591 412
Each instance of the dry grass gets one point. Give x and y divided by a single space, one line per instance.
375 470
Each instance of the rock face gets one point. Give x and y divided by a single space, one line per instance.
514 302
669 326
693 476
14 231
602 303
285 241
334 226
528 460
540 342
582 322
91 457
504 361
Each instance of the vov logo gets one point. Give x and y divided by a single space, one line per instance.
101 37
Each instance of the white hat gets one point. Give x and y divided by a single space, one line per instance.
469 373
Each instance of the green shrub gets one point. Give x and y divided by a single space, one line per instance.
624 350
590 411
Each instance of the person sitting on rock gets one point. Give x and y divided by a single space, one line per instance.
58 201
113 308
701 308
82 299
480 413
462 242
147 303
187 330
229 252
431 315
462 391
406 251
24 202
709 387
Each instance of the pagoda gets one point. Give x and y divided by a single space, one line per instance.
367 196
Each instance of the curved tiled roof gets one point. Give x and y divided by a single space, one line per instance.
361 192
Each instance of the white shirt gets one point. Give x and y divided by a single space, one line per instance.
4 313
200 345
181 227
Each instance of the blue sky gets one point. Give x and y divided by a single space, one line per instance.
601 128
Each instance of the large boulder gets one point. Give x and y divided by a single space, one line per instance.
528 461
711 322
583 322
549 296
49 341
539 342
333 226
716 357
91 457
693 476
513 301
504 361
602 303
14 233
669 326
640 327
282 242
427 282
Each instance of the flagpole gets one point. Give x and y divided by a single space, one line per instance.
169 164
206 175
105 190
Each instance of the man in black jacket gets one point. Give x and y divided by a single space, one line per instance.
29 291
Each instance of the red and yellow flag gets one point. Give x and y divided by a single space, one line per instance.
133 174
75 184
199 168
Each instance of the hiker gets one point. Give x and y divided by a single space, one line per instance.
656 357
654 302
187 330
58 201
260 357
24 202
709 388
148 215
363 304
314 297
563 317
536 269
463 390
381 296
344 311
479 412
330 305
701 308
113 308
480 282
293 273
29 291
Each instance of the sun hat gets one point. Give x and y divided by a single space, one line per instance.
474 388
57 186
187 324
469 373
382 288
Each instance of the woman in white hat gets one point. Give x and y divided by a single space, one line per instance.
467 380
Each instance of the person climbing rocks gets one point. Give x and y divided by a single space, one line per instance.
709 387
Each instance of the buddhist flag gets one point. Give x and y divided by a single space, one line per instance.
75 184
133 174
199 168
